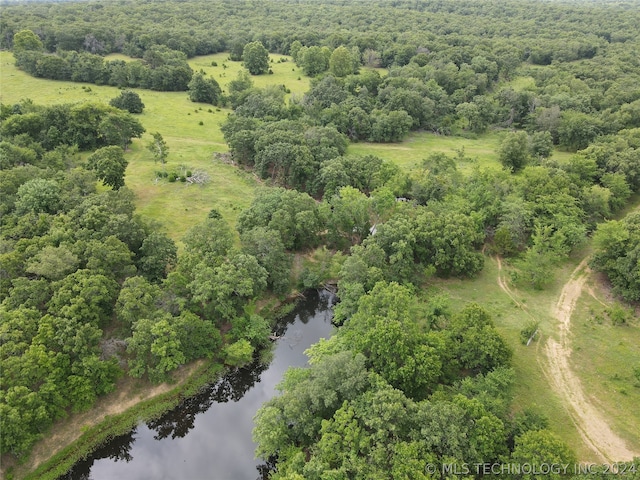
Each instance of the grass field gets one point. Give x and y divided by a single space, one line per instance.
176 206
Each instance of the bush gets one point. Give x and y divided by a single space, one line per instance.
172 177
527 332
618 314
128 101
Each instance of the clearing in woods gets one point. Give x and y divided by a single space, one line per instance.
593 427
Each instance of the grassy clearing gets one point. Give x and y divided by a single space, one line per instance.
604 356
531 388
176 206
409 153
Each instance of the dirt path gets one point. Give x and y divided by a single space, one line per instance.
126 396
590 422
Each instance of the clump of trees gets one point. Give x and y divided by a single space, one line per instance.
204 90
617 253
386 393
128 100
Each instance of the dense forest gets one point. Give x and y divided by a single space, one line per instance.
91 291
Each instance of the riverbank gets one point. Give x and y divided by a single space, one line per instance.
131 403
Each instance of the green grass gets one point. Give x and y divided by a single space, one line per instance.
176 206
531 388
409 153
603 357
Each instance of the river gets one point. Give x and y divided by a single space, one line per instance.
208 436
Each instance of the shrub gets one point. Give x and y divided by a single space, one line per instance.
527 332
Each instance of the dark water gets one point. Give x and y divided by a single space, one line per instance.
208 436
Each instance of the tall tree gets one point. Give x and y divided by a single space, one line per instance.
255 58
514 151
204 90
158 148
109 164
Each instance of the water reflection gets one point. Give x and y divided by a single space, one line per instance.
116 449
218 420
232 386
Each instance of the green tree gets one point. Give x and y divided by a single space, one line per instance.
255 58
158 255
118 128
541 144
156 349
26 40
618 255
38 195
537 447
577 129
514 151
238 354
475 344
224 289
137 299
314 60
53 263
158 148
341 62
204 90
109 164
128 100
267 247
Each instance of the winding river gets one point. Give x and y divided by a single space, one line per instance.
208 436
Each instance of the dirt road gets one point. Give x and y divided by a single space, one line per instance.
591 423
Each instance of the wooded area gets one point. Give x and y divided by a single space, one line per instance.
91 291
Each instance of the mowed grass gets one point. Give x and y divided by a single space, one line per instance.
191 130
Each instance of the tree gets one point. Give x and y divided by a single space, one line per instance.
158 255
118 128
204 90
514 151
618 255
314 60
38 195
541 447
53 263
109 164
255 58
158 148
267 247
156 348
577 129
26 40
128 100
542 144
475 344
341 62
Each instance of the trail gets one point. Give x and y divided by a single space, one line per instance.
591 424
